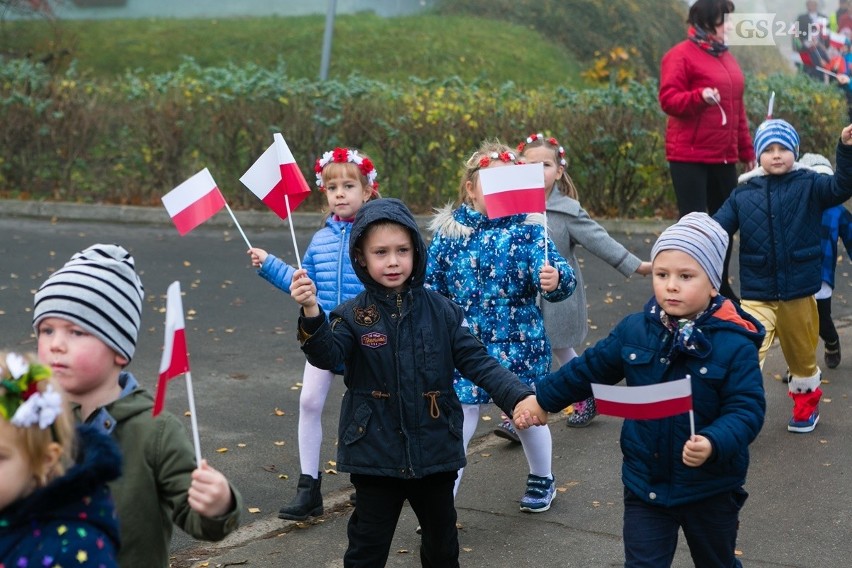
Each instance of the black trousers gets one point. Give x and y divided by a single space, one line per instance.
704 187
827 331
377 509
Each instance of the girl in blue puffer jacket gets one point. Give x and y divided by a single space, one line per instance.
348 179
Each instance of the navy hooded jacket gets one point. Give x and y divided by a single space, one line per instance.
400 416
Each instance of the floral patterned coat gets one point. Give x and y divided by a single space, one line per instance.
490 268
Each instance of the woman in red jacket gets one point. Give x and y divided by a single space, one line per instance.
701 91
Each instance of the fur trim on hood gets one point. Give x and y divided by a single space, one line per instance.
445 223
759 171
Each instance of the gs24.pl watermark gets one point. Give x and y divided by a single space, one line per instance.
763 29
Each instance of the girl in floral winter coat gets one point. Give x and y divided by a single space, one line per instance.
495 269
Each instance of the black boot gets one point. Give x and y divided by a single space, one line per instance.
307 502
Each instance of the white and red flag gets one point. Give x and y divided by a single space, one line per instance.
513 189
645 402
837 40
175 361
194 201
275 178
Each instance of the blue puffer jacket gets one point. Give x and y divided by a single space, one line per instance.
327 262
727 395
779 219
490 268
400 416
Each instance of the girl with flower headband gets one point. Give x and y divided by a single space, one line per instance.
569 224
53 511
495 270
348 179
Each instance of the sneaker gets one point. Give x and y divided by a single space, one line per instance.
583 413
832 354
539 495
804 426
506 430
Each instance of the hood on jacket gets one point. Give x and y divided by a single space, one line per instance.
98 461
395 211
760 172
460 222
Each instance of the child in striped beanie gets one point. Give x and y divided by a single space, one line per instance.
86 317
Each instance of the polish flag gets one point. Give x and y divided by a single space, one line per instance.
837 40
513 189
194 201
175 361
275 175
646 402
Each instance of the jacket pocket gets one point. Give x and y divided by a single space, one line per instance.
753 259
357 427
806 254
633 355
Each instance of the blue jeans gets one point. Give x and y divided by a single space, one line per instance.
710 527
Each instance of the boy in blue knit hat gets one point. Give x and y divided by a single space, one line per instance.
777 208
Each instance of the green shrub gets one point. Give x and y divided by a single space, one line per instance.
131 140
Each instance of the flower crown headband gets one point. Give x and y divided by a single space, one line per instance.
21 403
485 160
344 156
560 151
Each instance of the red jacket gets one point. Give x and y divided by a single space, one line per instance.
694 132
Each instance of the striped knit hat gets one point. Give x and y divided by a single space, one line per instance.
99 290
776 131
702 238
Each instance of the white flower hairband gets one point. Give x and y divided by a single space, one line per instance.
552 141
343 156
20 400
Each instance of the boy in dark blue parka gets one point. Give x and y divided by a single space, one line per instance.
673 479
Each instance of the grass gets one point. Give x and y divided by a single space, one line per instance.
385 49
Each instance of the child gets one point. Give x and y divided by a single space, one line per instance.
495 269
777 209
86 317
400 433
348 179
53 511
671 478
836 224
566 323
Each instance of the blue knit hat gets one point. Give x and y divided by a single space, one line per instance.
776 131
701 237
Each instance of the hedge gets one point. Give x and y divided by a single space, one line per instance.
67 137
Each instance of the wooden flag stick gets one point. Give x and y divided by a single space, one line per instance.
195 439
292 232
237 223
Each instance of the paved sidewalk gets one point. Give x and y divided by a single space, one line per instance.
799 512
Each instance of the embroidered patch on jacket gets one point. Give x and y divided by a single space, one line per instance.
374 340
367 316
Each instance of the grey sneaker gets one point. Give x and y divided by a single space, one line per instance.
584 412
506 430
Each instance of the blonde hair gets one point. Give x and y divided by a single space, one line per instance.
472 165
35 442
564 183
350 169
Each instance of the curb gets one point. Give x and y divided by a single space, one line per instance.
95 212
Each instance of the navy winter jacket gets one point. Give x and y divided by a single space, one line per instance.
327 262
727 397
400 416
779 219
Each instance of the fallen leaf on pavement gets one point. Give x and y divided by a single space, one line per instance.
254 510
222 450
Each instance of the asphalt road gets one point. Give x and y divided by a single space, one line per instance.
246 369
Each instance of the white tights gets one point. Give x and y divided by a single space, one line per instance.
315 385
564 354
536 441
